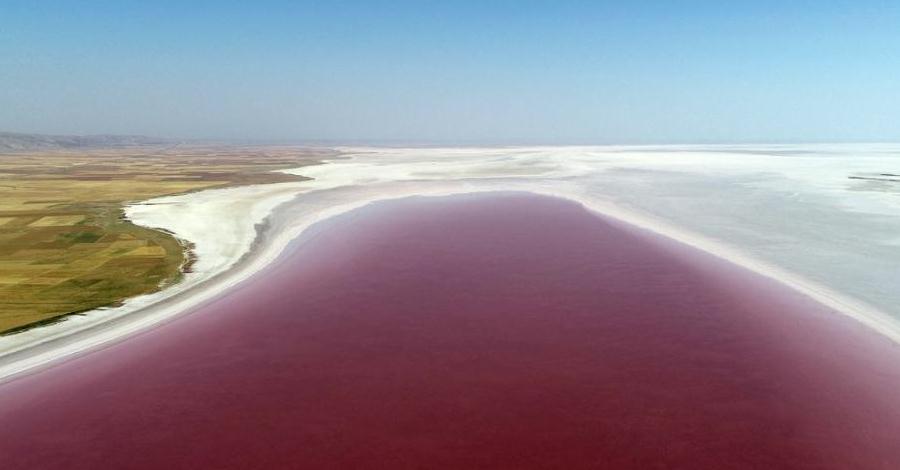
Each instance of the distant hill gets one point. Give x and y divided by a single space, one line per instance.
14 142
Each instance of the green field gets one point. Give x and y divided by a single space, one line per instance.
64 244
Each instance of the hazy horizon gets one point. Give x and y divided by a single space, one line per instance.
472 73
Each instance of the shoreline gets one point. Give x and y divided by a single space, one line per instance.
332 194
412 317
34 348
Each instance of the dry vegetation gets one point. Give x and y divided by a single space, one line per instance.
64 244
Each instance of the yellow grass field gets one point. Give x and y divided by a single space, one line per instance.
65 246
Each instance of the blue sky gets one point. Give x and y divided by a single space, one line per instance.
455 71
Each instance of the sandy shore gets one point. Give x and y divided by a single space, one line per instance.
237 232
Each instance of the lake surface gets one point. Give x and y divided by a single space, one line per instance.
501 330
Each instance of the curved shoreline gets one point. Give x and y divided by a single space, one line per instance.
325 198
412 317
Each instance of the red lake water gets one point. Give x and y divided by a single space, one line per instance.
501 330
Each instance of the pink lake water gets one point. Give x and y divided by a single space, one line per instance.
502 330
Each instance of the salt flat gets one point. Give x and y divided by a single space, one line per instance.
792 206
792 212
